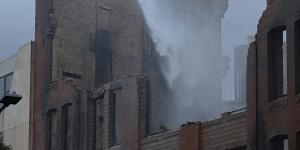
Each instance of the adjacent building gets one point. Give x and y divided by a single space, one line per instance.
15 75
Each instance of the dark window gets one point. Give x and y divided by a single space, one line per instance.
50 6
279 142
8 82
298 140
297 56
99 121
277 63
113 119
66 132
103 58
52 129
99 137
93 124
5 84
148 111
51 66
2 84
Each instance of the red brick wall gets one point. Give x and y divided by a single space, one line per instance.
131 99
251 97
190 137
162 141
278 117
228 132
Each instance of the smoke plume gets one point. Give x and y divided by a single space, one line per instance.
187 34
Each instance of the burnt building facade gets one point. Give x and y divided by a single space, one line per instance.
97 81
98 85
273 79
84 47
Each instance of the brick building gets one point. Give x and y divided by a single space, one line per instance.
273 103
82 48
97 83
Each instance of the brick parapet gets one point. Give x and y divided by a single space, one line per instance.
168 140
190 136
227 132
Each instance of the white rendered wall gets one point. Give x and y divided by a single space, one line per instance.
15 119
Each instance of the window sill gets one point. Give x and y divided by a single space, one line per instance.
280 102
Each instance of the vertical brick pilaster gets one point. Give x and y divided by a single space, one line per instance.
99 124
133 124
251 96
106 122
190 136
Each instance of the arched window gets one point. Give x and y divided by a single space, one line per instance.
277 63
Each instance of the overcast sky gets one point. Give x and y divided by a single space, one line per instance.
239 21
16 25
241 18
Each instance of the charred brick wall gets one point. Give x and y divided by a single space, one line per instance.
64 33
90 43
123 109
67 110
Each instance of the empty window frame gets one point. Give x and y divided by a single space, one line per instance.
298 140
52 70
277 63
99 124
99 137
148 110
297 56
113 119
52 129
279 142
66 127
103 55
50 6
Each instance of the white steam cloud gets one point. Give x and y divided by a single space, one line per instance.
187 34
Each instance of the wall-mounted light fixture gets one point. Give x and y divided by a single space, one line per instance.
10 99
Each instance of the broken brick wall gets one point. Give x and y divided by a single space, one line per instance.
228 132
276 117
